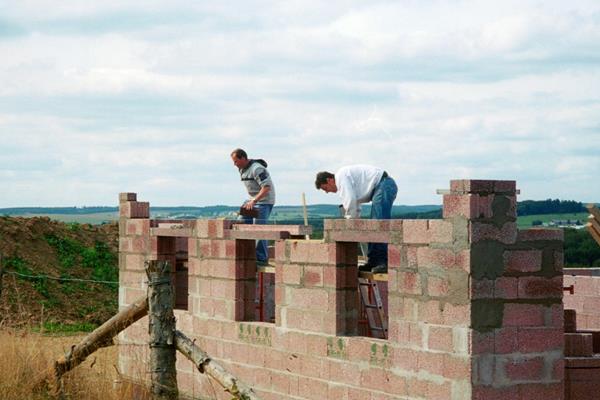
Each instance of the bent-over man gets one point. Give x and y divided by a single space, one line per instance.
358 184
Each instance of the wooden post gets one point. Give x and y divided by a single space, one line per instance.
161 328
305 213
209 367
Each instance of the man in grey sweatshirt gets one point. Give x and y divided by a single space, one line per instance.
261 190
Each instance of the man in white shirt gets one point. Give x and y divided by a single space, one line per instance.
358 184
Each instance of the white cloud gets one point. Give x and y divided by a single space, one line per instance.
103 97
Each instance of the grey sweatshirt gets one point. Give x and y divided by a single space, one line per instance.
254 177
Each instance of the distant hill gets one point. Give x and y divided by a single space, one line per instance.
287 213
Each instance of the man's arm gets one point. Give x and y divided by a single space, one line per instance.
349 199
262 193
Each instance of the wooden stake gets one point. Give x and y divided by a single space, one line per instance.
305 213
101 337
209 367
161 328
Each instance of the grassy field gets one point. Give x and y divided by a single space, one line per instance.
26 357
523 222
526 221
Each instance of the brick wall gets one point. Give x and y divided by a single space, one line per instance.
474 306
585 298
582 342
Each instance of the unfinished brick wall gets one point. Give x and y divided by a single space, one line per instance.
474 305
582 337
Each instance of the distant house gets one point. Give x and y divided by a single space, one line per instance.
565 223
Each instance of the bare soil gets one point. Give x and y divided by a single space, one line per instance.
29 246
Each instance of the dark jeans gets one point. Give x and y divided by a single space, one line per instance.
264 210
381 208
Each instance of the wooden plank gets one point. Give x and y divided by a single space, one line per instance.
258 235
291 229
595 223
372 276
594 211
266 269
595 234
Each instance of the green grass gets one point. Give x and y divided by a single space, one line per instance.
526 221
94 218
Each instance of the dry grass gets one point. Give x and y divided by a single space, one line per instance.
26 356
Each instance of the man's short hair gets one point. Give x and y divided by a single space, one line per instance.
322 178
239 153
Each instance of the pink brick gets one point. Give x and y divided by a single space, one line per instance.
359 236
308 298
472 186
406 332
524 314
440 338
534 340
137 226
437 287
505 186
291 273
410 282
127 196
214 229
463 205
540 287
525 369
431 257
374 378
492 393
440 231
523 260
416 231
394 255
134 209
135 262
313 276
456 366
507 234
506 288
506 340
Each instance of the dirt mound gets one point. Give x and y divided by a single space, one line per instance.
57 273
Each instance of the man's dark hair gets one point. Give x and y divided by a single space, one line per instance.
322 178
239 153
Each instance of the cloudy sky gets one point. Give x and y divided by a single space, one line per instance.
102 97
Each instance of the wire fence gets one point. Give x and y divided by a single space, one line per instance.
59 278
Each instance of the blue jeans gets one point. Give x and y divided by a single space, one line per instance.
262 249
381 208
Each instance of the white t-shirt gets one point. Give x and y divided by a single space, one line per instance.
355 184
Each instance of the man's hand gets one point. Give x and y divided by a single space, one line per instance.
249 205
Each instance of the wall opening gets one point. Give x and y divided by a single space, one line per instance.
373 298
175 250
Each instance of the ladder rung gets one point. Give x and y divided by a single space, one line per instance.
372 306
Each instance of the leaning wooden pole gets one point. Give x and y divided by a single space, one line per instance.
205 365
101 337
161 328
